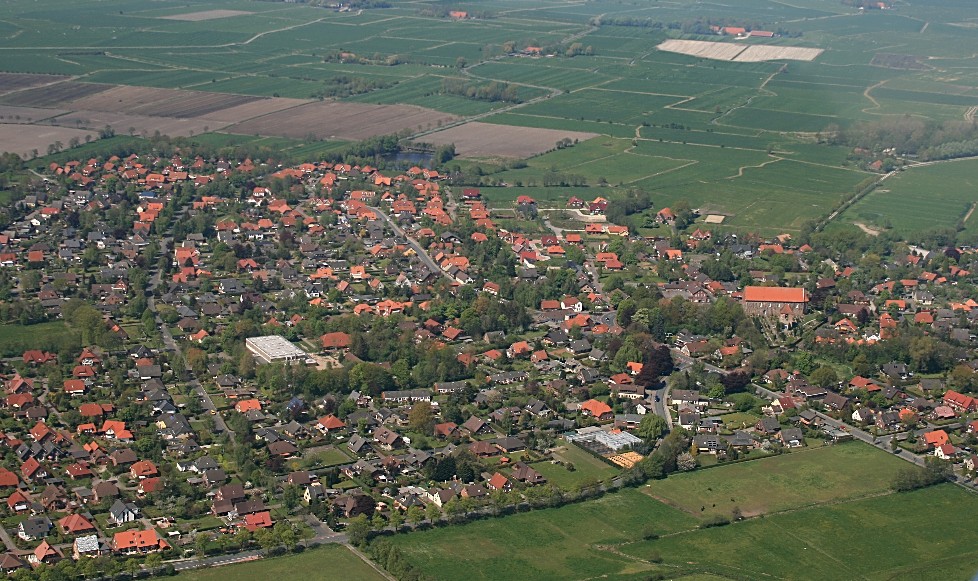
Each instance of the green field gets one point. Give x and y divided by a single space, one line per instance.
830 515
328 562
545 544
14 339
802 478
587 468
923 198
926 534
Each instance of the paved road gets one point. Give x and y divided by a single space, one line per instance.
155 281
422 253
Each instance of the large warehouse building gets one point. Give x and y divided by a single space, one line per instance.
272 348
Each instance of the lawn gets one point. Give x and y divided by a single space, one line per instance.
546 544
801 478
586 466
328 562
15 339
926 534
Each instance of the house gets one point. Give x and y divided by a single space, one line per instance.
960 401
387 439
597 410
330 423
44 553
792 437
136 541
86 546
143 469
476 426
446 430
936 438
74 524
767 425
122 512
685 399
499 482
34 528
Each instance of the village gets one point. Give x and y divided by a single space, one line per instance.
255 356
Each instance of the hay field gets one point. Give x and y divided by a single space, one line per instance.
490 140
21 139
760 53
257 108
13 114
159 102
336 120
725 51
721 51
144 125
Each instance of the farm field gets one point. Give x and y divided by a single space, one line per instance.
259 68
334 561
770 193
22 138
920 199
817 522
487 140
546 544
802 478
925 534
342 121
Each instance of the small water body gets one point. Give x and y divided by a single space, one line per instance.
409 158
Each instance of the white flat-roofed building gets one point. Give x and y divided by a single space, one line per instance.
272 348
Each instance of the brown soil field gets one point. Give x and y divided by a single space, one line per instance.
15 81
159 102
490 140
12 114
54 95
21 139
353 121
254 109
206 15
140 124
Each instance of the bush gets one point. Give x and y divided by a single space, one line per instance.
715 521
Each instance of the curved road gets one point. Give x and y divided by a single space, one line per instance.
422 253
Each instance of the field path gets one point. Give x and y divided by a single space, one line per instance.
866 229
969 115
924 27
866 93
970 212
740 170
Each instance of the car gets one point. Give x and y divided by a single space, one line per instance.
897 451
657 398
213 412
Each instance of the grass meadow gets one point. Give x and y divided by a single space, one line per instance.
921 198
802 478
829 515
327 562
